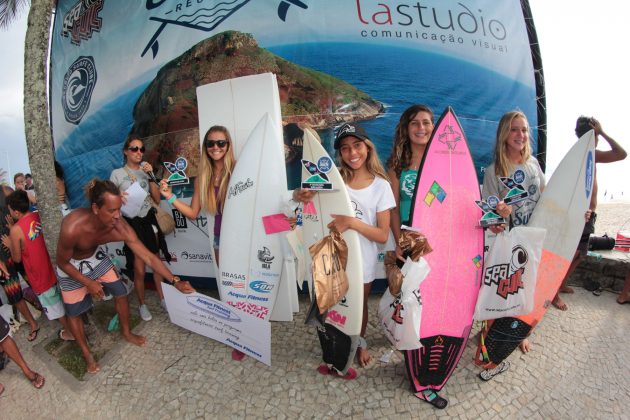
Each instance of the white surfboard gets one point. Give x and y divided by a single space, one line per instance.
251 260
238 104
566 198
347 314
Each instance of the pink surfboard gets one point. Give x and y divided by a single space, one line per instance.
444 210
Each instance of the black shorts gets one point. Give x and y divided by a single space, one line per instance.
589 229
5 329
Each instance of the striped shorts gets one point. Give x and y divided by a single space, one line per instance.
98 267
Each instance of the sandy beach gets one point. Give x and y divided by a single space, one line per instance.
612 217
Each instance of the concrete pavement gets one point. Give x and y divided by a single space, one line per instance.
579 367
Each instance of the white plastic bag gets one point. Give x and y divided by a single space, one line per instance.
509 274
400 315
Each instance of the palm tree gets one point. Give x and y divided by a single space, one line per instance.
38 134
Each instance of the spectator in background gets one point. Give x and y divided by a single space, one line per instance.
11 281
8 346
616 153
61 189
19 180
29 182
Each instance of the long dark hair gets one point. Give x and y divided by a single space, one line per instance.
400 157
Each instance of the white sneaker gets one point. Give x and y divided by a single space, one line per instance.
144 313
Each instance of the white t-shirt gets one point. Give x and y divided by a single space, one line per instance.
121 178
375 198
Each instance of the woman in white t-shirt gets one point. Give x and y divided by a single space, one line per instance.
372 199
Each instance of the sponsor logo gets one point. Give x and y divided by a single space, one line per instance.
243 296
507 277
265 257
588 176
239 187
261 286
450 137
201 15
213 307
335 317
82 20
78 85
233 276
235 284
258 311
180 219
435 192
192 256
457 25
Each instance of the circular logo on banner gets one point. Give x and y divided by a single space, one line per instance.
324 164
519 176
492 201
78 85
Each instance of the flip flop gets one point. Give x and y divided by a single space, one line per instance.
33 335
237 355
323 369
488 374
38 381
623 303
60 335
432 397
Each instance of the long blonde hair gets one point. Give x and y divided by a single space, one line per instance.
502 164
210 202
372 163
400 157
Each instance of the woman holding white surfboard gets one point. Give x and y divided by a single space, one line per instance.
371 194
372 199
211 185
512 153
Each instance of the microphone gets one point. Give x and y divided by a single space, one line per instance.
150 174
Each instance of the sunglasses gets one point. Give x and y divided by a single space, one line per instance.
136 148
212 143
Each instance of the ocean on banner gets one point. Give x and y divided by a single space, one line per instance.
398 87
392 87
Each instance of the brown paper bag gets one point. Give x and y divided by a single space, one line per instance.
412 244
329 258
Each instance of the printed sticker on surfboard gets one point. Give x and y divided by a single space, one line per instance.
560 210
445 211
238 104
251 259
347 315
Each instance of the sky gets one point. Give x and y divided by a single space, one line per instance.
581 43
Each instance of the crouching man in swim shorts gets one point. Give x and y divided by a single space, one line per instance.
84 270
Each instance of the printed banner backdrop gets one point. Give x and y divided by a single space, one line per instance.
120 68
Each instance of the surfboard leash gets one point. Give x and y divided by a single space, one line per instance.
484 350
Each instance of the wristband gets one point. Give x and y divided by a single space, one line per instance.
171 199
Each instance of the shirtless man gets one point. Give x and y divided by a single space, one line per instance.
616 153
84 270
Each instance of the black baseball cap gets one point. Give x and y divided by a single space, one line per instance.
349 129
